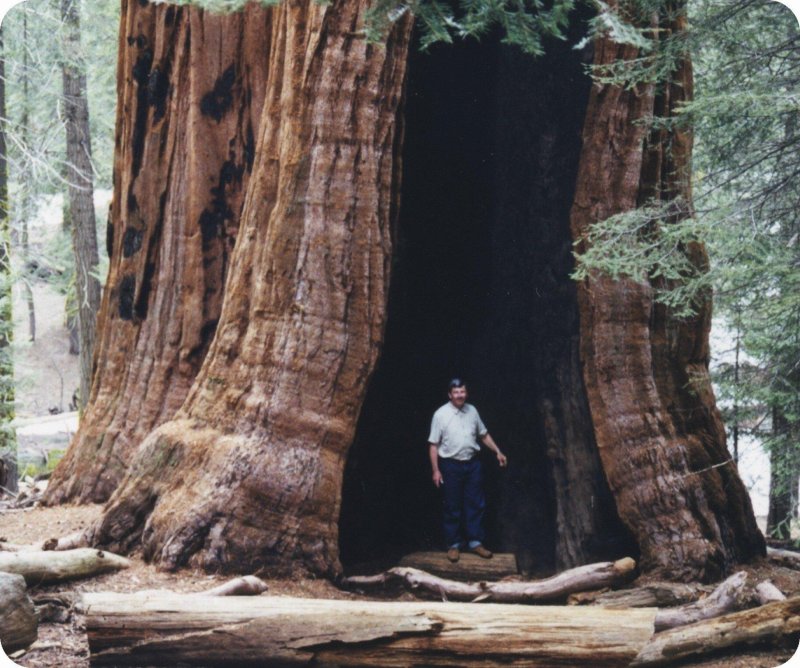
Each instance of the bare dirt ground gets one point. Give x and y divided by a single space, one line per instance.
64 644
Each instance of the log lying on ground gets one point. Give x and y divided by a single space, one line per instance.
785 558
558 587
768 593
126 629
469 567
731 595
773 623
69 542
652 595
18 620
39 567
247 585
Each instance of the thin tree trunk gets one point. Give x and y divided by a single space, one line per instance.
190 90
8 439
80 176
25 181
784 477
249 473
659 465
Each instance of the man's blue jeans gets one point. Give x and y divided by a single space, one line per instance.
463 500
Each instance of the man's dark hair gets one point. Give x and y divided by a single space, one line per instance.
456 382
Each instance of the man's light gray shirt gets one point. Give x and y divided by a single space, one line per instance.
456 431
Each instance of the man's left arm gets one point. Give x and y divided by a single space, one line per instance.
488 441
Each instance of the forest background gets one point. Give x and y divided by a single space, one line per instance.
746 210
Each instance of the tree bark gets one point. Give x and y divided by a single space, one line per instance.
130 629
190 91
249 472
18 622
654 462
38 567
80 177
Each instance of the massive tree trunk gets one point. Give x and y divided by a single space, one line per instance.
80 177
190 90
249 472
587 387
657 427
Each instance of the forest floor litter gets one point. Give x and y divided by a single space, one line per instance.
65 645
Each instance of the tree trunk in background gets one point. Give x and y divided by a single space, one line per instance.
249 473
8 439
80 176
26 206
784 464
657 427
190 89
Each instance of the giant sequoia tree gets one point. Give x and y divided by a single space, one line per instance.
260 158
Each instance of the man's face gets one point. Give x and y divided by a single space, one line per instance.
458 396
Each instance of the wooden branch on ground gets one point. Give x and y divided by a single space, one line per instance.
732 594
558 587
652 595
247 585
165 630
69 542
785 558
774 622
18 620
469 567
768 593
39 567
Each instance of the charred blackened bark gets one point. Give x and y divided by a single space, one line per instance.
190 90
249 472
655 420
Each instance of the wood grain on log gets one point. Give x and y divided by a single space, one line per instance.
469 567
127 629
39 567
555 588
774 622
18 621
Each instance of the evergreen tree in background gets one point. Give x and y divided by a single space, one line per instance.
747 198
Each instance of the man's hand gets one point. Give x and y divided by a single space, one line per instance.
437 478
501 459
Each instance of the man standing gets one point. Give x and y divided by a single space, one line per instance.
453 448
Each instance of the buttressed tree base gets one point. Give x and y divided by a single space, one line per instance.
248 301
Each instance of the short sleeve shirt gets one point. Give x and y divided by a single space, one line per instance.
456 431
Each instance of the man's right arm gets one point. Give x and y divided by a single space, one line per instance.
433 451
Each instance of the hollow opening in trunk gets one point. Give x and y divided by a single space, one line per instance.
480 289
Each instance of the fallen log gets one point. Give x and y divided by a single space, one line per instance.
39 567
247 585
469 567
558 587
652 595
69 542
165 630
768 593
786 558
774 622
732 594
18 620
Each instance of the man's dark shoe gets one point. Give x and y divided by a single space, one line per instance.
482 552
453 554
